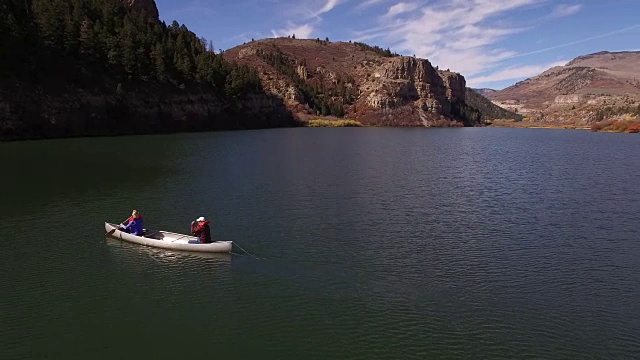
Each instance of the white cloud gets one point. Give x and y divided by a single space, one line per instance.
328 6
579 41
511 73
464 35
300 31
302 12
399 8
368 3
456 34
565 10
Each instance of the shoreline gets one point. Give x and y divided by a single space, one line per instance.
517 125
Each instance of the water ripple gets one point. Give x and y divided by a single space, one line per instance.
371 243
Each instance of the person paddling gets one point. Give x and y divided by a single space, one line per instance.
200 228
134 224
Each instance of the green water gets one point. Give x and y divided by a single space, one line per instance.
373 243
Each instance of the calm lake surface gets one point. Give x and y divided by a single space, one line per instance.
373 243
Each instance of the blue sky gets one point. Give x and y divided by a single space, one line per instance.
493 43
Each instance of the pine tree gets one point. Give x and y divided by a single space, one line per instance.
129 46
50 18
158 57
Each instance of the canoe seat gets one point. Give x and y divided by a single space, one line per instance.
155 235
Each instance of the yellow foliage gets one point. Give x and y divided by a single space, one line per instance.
333 123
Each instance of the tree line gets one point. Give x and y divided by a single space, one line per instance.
610 111
90 38
376 49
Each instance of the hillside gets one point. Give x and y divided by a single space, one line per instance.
488 110
590 88
485 92
357 81
108 67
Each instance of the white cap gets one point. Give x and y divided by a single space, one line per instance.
201 218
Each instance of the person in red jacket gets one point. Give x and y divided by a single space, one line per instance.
200 228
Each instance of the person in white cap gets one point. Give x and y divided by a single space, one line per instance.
200 228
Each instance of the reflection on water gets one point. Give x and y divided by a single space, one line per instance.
128 250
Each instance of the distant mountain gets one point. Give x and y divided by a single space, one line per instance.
587 89
485 92
489 110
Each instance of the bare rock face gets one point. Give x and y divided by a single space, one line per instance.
327 74
147 6
371 88
402 81
569 99
283 89
248 51
293 95
301 70
455 85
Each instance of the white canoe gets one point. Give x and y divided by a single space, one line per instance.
169 240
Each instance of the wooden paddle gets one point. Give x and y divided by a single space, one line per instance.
114 230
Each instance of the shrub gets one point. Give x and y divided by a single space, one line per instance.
333 123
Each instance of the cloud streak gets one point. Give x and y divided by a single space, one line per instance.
511 73
565 10
368 3
305 30
328 6
400 8
619 31
300 31
465 36
456 34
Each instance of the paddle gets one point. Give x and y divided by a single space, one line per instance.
114 229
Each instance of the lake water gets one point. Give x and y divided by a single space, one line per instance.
372 243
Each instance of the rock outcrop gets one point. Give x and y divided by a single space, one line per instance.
411 88
149 7
373 88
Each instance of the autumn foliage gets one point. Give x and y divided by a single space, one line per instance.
629 126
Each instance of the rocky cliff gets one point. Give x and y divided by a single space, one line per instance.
368 86
408 91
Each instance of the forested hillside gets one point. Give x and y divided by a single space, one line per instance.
78 67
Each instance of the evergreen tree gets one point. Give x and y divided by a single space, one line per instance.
105 42
158 56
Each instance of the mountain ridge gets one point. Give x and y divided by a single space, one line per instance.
361 82
592 88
